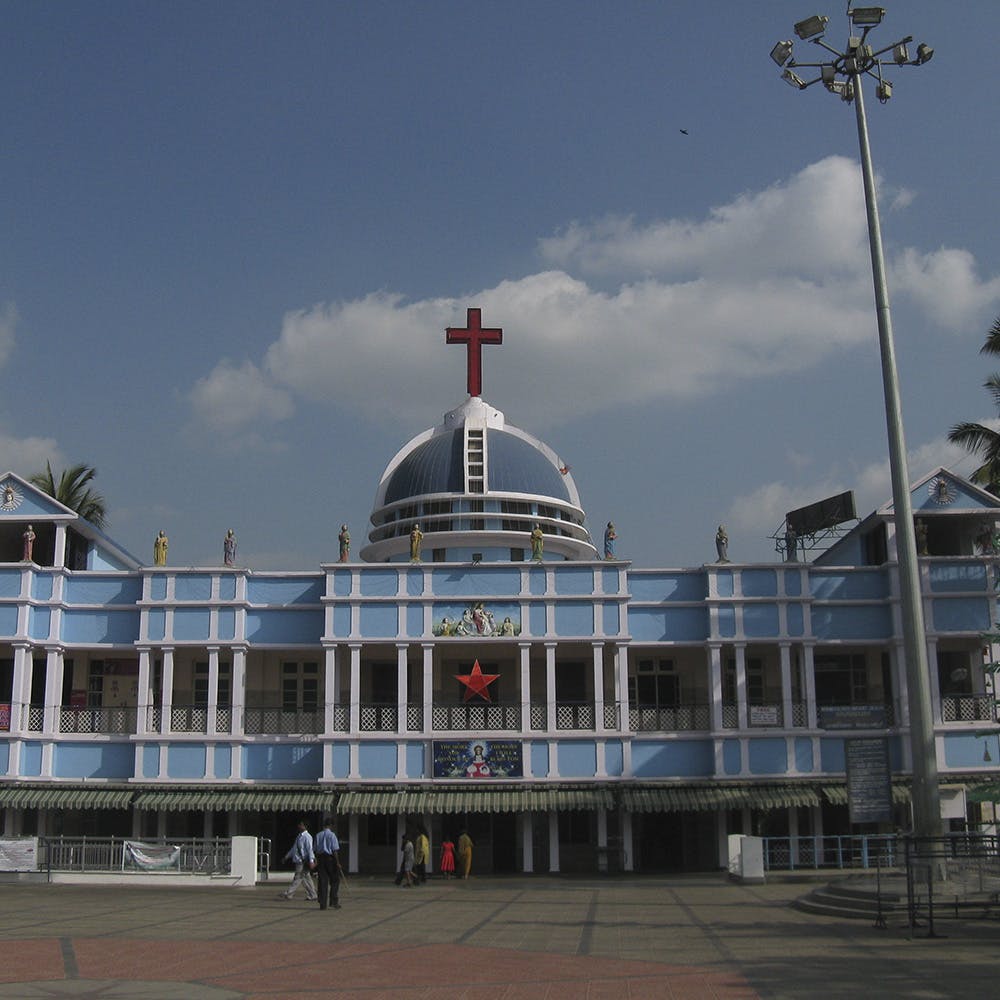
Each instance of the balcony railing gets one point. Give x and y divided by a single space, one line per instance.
968 708
680 718
97 720
279 721
476 718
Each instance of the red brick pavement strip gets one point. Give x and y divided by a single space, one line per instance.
362 971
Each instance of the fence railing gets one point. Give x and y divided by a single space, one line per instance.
194 856
847 851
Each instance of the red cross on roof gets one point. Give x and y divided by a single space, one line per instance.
474 336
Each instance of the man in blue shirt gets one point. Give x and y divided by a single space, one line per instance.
301 855
328 863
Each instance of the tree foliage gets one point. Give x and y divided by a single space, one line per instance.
978 439
74 490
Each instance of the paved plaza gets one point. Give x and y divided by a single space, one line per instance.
485 939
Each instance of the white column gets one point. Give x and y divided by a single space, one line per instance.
21 688
402 691
212 711
935 683
602 835
355 691
598 648
897 660
715 686
239 682
59 559
142 700
787 711
627 846
553 840
352 842
525 651
167 693
809 680
621 675
53 689
527 843
793 835
550 686
741 685
330 689
427 688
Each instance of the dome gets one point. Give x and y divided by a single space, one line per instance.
476 486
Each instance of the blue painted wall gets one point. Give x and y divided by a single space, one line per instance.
93 760
680 758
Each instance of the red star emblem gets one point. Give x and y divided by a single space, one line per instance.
477 682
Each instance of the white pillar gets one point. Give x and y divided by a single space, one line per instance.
527 843
553 840
627 846
167 693
598 648
621 676
352 842
355 691
741 685
897 660
59 559
20 693
427 688
330 689
212 709
809 679
402 687
142 700
550 686
715 686
525 651
53 690
239 682
787 710
935 684
602 836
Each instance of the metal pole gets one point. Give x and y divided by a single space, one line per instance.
926 796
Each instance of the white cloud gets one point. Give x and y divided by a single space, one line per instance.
945 284
771 283
26 456
758 513
8 323
232 398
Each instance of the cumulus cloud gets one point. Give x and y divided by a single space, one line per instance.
759 512
28 455
234 397
771 283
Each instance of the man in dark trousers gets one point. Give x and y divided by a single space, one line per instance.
328 863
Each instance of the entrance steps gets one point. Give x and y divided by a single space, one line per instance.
855 899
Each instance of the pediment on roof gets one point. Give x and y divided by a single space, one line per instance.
944 492
20 501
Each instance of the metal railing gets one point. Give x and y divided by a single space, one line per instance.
195 856
278 721
97 720
968 708
848 851
682 718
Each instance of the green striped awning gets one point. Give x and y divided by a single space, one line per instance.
836 795
202 799
50 797
708 798
440 801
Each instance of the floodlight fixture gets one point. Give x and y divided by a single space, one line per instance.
900 54
844 89
883 91
828 74
811 26
924 54
866 17
793 80
782 52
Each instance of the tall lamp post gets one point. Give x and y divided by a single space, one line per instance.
843 74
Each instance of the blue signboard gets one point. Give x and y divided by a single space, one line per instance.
479 758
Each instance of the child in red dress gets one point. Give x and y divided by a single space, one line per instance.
447 859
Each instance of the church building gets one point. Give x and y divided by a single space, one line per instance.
485 661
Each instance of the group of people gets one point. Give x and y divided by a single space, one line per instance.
415 851
323 857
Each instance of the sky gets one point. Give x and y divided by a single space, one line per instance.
232 235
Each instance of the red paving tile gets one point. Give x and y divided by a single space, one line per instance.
361 971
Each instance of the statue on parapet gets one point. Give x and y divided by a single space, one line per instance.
609 540
229 548
537 542
416 541
344 540
29 544
722 544
160 546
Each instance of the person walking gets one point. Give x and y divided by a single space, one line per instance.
328 866
421 854
302 856
407 871
448 858
465 853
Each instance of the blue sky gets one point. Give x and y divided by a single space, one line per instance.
233 234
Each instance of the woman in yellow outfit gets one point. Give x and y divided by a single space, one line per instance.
465 853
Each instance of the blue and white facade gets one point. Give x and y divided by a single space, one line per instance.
637 715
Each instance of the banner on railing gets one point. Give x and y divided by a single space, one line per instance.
20 855
152 856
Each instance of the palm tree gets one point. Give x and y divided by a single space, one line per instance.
978 438
74 492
